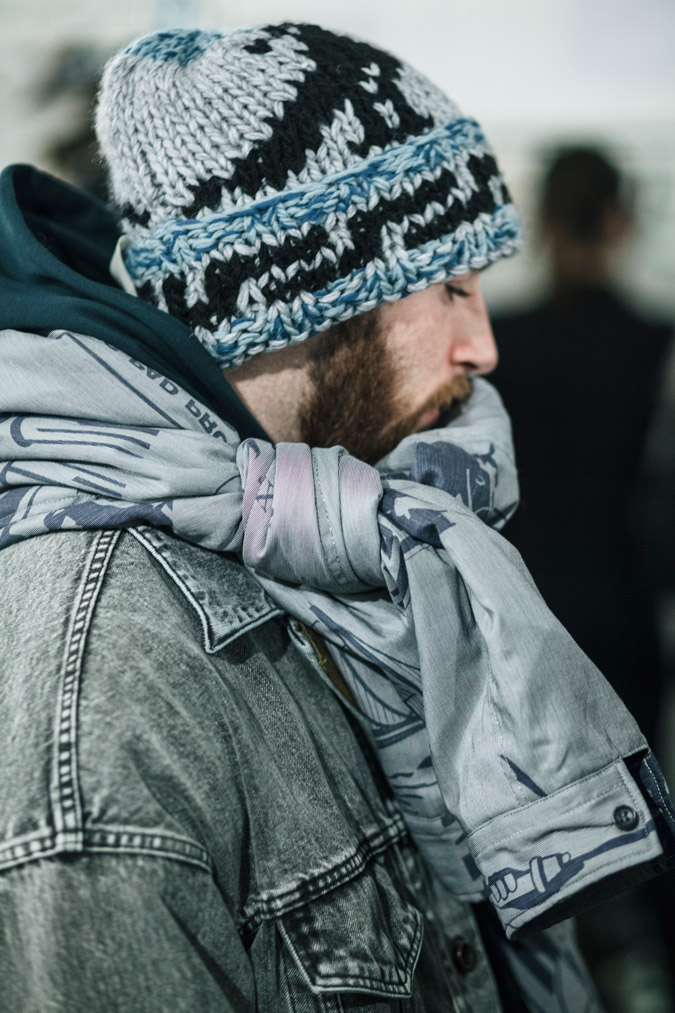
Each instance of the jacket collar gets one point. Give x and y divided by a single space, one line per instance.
228 601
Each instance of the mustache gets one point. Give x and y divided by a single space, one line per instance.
444 398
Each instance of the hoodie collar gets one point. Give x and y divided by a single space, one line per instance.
56 244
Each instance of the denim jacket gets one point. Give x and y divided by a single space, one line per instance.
188 820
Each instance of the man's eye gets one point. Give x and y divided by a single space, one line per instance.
454 290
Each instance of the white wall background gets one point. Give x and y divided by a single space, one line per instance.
534 72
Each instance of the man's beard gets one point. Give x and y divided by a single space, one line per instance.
353 402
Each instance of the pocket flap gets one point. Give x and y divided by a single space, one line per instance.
360 937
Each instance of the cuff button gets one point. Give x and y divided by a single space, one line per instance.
625 817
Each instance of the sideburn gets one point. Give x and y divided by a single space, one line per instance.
353 383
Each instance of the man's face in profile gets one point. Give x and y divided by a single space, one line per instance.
396 370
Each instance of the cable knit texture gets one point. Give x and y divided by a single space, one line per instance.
276 181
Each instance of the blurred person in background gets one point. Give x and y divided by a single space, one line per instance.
68 84
580 374
282 729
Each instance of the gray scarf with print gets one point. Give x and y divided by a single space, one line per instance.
480 705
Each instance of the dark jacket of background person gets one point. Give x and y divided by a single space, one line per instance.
579 375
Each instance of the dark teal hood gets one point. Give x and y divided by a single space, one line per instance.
56 243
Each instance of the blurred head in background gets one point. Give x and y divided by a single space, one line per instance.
585 214
68 84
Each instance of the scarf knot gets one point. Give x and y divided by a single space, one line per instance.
310 517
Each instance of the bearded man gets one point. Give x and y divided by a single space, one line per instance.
282 730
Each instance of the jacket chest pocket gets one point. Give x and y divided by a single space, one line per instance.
360 939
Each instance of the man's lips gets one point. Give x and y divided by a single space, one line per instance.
445 405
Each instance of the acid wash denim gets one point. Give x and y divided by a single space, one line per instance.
188 819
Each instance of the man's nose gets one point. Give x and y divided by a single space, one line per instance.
476 350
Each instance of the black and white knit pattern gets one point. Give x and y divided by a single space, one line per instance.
276 181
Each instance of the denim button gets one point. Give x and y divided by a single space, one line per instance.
625 817
464 955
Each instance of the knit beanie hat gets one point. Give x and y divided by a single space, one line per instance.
274 181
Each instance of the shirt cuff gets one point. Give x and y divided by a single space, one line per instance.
559 854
